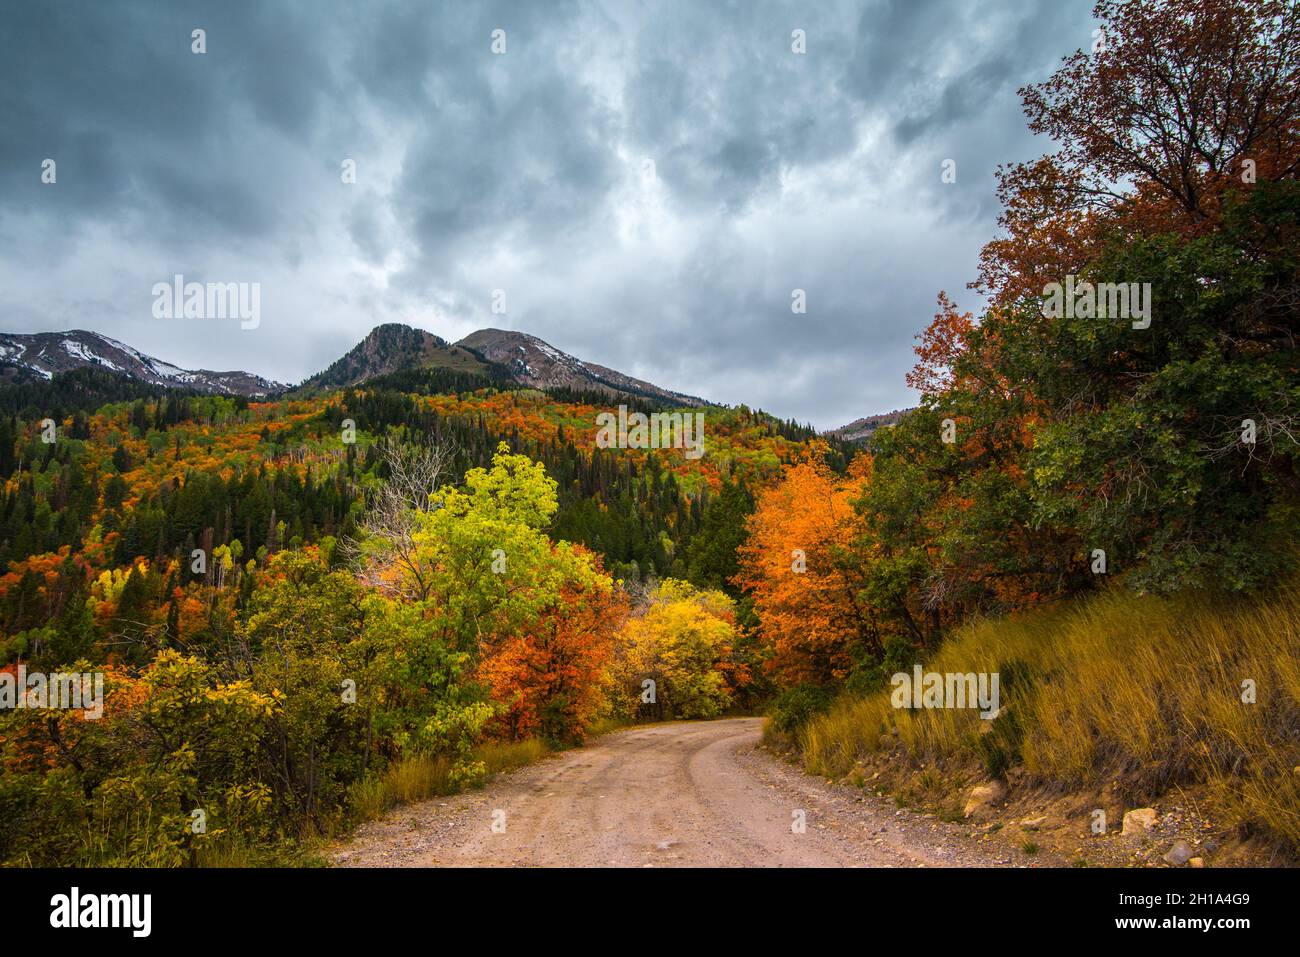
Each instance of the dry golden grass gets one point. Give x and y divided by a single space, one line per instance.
1142 687
508 755
608 725
418 777
408 779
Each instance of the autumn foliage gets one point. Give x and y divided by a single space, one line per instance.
796 563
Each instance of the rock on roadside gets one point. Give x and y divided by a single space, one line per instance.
1138 821
982 798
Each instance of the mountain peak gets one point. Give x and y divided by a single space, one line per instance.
400 330
394 347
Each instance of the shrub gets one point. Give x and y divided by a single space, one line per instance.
796 706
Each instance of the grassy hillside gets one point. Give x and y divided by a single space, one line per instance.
1138 697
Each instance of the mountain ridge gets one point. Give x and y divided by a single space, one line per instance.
45 354
495 354
861 429
535 362
388 348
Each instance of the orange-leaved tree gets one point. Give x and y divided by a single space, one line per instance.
798 565
548 676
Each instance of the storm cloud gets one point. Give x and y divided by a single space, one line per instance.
646 182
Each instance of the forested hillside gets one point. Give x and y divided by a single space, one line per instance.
289 597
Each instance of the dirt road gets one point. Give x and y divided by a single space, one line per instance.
680 794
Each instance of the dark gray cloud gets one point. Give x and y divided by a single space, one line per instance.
647 183
723 104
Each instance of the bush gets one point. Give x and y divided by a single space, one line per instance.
796 706
870 676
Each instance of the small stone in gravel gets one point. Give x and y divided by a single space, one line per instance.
1178 855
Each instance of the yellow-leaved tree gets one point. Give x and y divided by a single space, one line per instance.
675 654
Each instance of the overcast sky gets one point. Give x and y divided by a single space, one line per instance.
527 171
